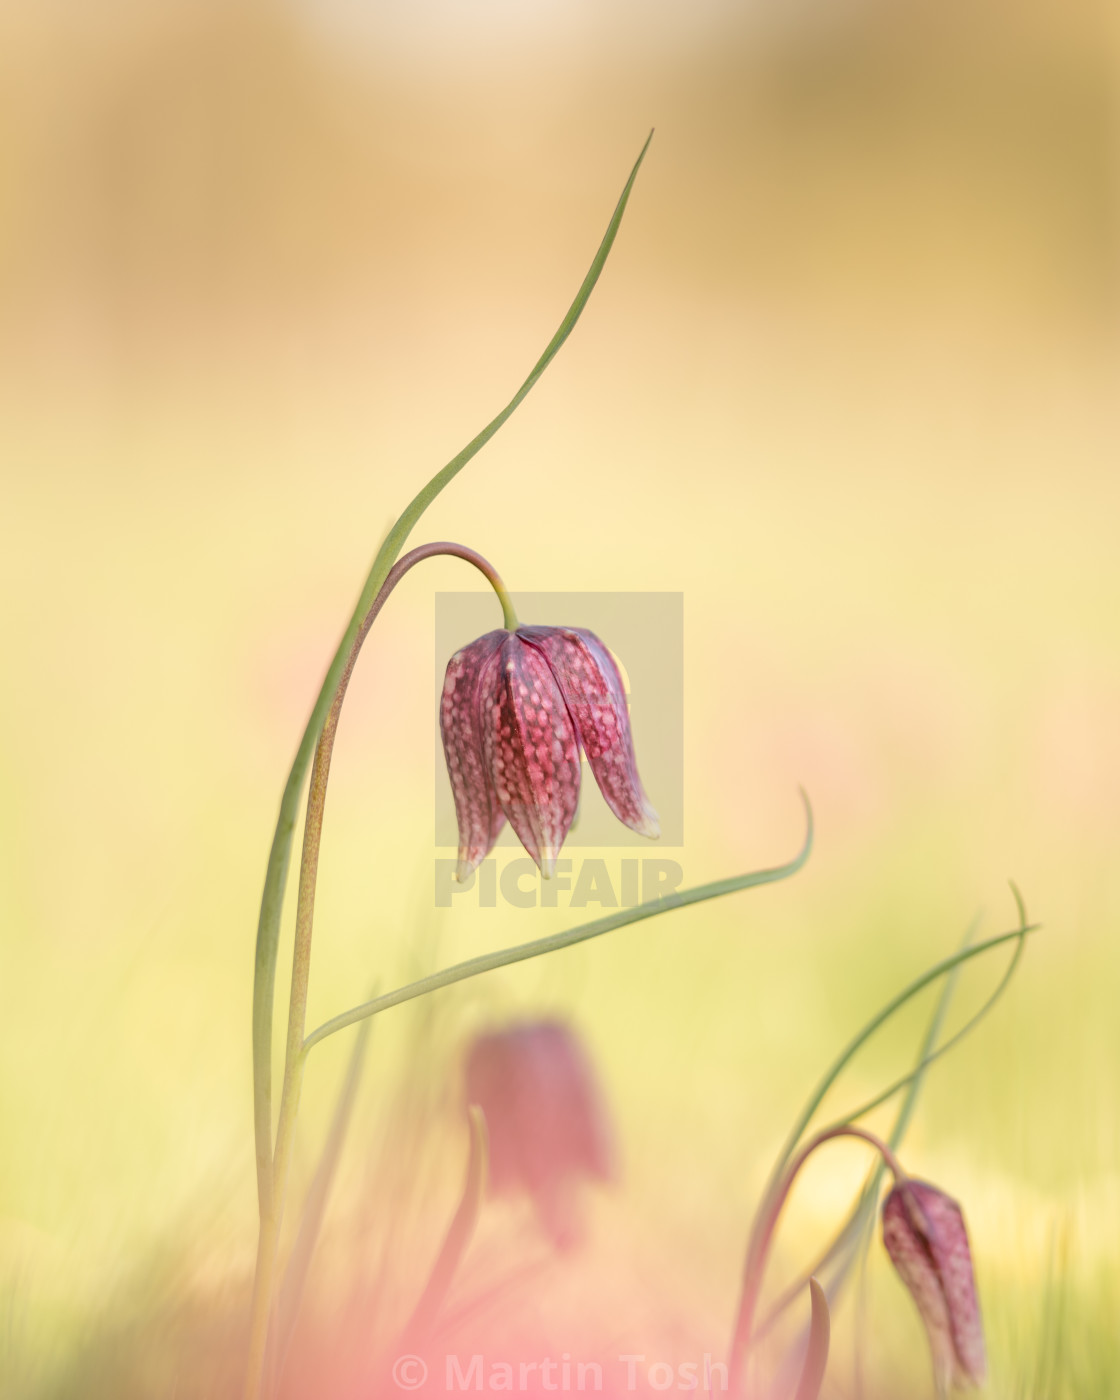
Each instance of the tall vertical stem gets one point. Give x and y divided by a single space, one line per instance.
272 1205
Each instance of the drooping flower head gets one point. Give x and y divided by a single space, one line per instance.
516 708
545 1118
924 1234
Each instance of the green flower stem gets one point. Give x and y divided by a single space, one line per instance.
552 942
295 1275
509 617
847 1238
928 1058
276 875
756 1263
317 793
301 958
946 966
853 1227
835 1070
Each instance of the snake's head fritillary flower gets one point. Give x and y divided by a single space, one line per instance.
516 708
545 1117
925 1236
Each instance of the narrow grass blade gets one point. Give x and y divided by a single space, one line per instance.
272 899
851 1231
944 968
861 1224
880 1018
816 1355
311 1222
457 1241
554 941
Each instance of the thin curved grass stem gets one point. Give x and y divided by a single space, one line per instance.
269 1180
775 1188
768 1223
954 1039
849 1051
488 962
276 873
320 773
926 1055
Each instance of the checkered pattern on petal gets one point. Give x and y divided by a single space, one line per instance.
529 749
477 810
925 1236
596 699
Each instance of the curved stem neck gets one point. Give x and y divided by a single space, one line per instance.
320 772
763 1235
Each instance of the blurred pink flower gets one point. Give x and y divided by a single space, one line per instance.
546 1120
925 1236
516 707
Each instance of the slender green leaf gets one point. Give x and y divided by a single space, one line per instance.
272 899
311 1222
816 1354
882 1016
940 969
459 1235
852 1228
488 962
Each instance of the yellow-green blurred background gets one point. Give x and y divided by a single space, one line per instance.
848 382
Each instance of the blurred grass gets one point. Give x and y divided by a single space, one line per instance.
848 382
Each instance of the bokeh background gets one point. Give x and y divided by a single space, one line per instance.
848 382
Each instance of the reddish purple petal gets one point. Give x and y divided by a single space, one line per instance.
545 1118
925 1236
529 749
477 810
596 699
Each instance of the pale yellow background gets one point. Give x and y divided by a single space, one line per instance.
848 382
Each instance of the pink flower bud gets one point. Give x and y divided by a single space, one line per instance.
545 1117
925 1236
516 708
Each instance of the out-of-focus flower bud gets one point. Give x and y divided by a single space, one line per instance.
546 1120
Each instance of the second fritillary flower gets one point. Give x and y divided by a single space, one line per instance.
546 1118
925 1236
